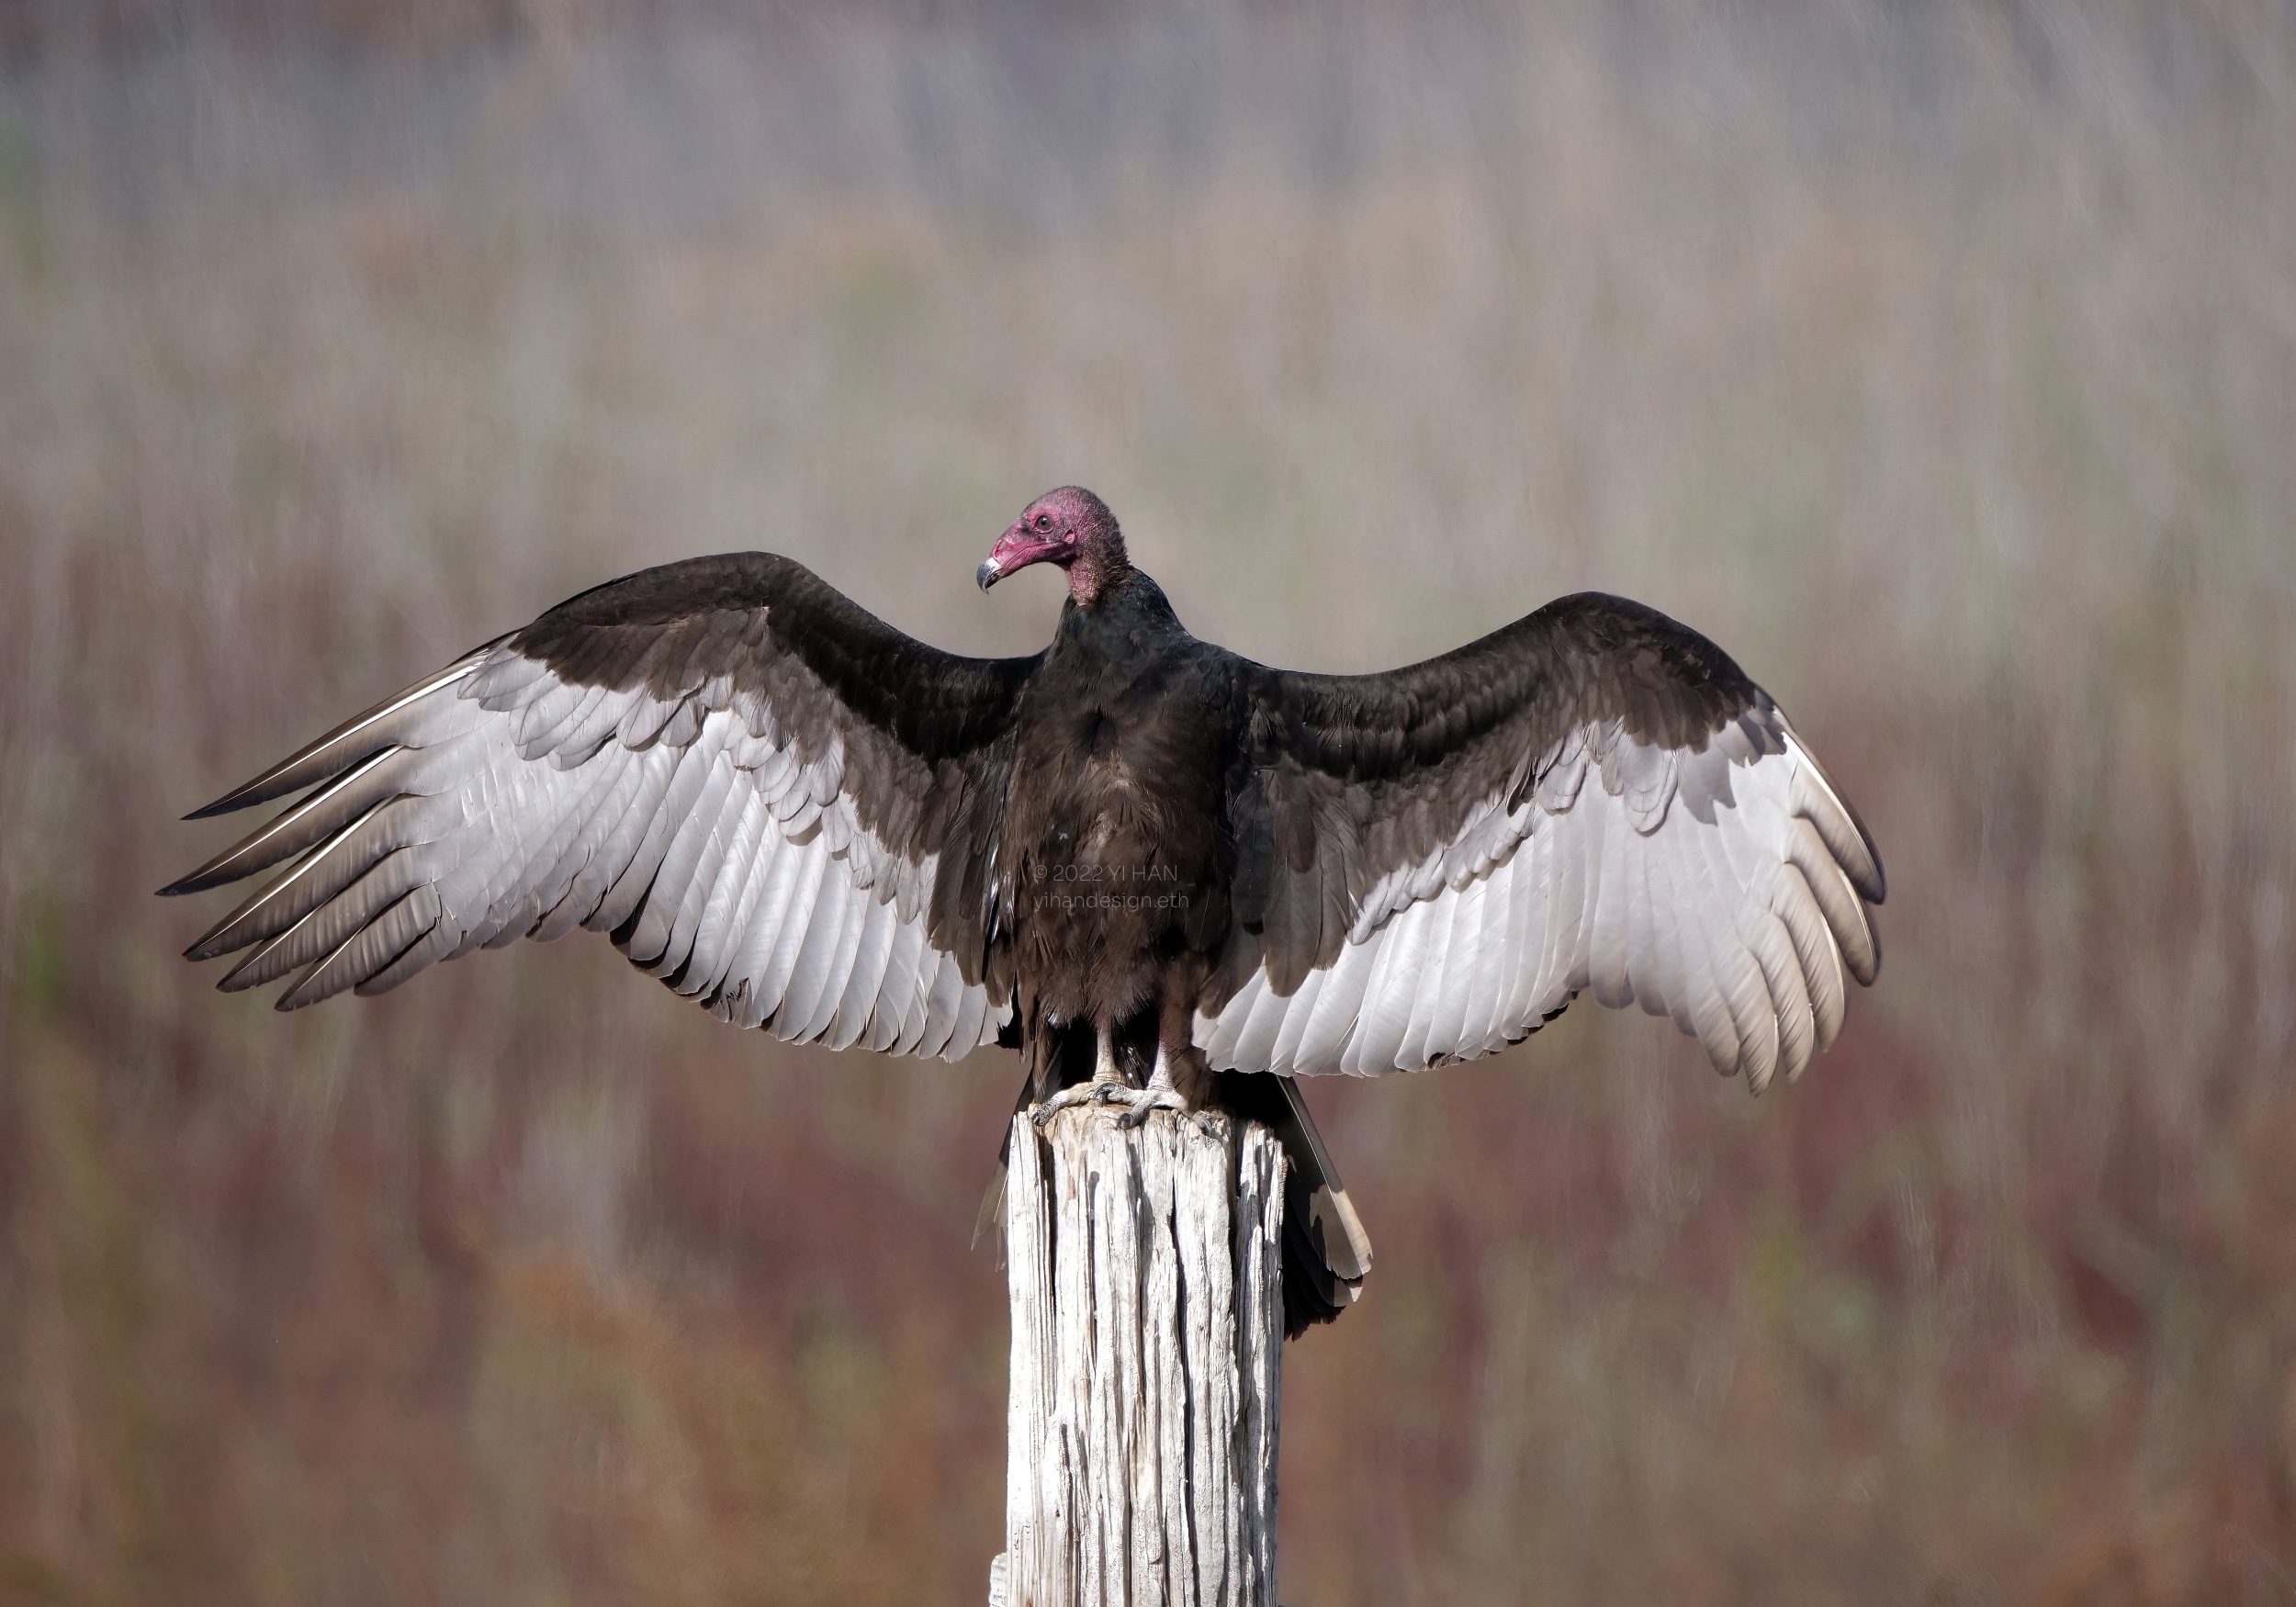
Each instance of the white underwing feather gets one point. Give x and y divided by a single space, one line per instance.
499 802
1724 887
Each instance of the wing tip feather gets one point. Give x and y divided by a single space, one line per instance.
243 796
1872 970
207 876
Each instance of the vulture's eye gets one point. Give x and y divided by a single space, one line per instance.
1044 521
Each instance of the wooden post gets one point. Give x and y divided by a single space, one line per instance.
1146 1271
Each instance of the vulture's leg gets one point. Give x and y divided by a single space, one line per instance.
1108 1085
1182 1079
1159 1094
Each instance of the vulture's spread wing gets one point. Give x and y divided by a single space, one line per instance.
774 801
1433 861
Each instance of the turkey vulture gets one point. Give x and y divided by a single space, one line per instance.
1158 869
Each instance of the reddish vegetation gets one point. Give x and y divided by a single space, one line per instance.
1959 412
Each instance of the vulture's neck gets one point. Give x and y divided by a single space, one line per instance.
1098 571
1125 606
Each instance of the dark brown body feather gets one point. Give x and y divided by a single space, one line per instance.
1117 854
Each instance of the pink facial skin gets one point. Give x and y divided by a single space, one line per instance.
1070 527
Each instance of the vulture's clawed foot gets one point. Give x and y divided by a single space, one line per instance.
1147 1099
1138 1102
1077 1093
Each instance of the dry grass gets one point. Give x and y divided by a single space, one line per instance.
1940 361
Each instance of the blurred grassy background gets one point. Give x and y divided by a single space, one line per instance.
1940 359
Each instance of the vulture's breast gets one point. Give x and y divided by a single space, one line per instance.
1116 816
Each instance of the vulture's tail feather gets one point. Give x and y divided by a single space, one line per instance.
1326 1252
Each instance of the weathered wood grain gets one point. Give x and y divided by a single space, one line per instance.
1147 1347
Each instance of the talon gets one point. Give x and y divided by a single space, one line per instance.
1076 1093
1151 1100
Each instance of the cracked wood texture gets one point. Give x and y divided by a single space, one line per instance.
1147 1355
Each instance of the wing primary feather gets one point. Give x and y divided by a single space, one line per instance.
723 847
292 832
288 898
420 955
366 950
1747 993
322 930
1821 961
1817 800
1837 898
1764 939
346 745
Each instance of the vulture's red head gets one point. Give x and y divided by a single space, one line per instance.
1070 527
